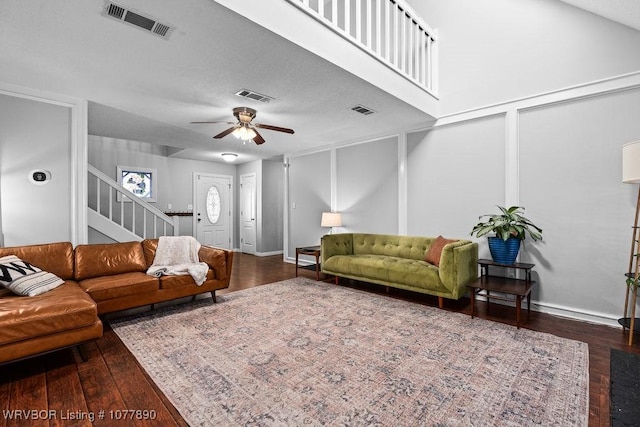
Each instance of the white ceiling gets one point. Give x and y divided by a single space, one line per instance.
145 88
626 12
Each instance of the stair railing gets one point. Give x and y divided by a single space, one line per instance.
118 205
389 30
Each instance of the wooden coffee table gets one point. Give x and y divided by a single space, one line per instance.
503 288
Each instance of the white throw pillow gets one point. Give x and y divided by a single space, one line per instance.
22 278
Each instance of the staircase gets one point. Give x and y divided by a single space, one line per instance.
113 211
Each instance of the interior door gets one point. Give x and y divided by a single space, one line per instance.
248 201
213 213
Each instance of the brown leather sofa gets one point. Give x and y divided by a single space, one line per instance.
62 317
114 275
99 279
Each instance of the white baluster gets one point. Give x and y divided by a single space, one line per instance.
423 62
387 30
347 17
334 13
97 195
144 223
110 203
379 28
359 22
403 41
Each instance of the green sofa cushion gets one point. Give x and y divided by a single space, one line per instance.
398 246
409 272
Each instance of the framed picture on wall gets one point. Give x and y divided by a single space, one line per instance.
141 182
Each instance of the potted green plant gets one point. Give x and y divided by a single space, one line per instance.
510 228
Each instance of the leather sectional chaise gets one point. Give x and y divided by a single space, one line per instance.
98 279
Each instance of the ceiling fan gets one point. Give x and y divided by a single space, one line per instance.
244 129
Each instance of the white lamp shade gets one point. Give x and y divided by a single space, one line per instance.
631 162
331 219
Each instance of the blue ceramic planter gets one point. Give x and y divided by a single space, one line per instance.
504 252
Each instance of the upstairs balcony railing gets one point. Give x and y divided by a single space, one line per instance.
389 30
117 205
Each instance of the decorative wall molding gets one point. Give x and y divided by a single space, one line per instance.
586 90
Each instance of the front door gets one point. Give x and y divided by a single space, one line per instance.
248 210
213 210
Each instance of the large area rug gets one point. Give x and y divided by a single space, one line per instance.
301 352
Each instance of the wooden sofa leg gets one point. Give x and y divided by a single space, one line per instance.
213 296
337 280
440 302
82 352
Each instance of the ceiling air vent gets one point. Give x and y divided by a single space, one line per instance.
362 110
146 22
254 95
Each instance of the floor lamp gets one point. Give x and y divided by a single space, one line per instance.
631 175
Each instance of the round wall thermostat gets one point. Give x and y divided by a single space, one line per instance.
39 176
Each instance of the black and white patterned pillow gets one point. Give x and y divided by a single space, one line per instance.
22 278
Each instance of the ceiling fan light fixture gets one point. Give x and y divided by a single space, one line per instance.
229 157
244 133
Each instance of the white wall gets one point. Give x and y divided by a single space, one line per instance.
309 194
570 181
367 183
35 135
500 50
455 173
175 176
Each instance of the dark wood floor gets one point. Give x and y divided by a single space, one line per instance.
111 384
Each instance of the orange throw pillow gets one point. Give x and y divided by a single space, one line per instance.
435 250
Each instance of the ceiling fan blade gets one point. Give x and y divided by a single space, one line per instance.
228 123
276 128
225 133
258 139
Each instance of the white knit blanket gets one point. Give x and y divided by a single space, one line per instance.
178 255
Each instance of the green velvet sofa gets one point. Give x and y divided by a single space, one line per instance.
399 262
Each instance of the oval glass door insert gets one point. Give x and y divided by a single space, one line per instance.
213 204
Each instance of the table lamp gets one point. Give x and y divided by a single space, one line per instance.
331 219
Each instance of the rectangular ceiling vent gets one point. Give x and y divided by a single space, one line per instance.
143 21
254 95
362 110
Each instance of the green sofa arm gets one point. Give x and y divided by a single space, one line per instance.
459 266
335 244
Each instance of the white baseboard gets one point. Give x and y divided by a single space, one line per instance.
272 253
301 262
562 311
575 314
